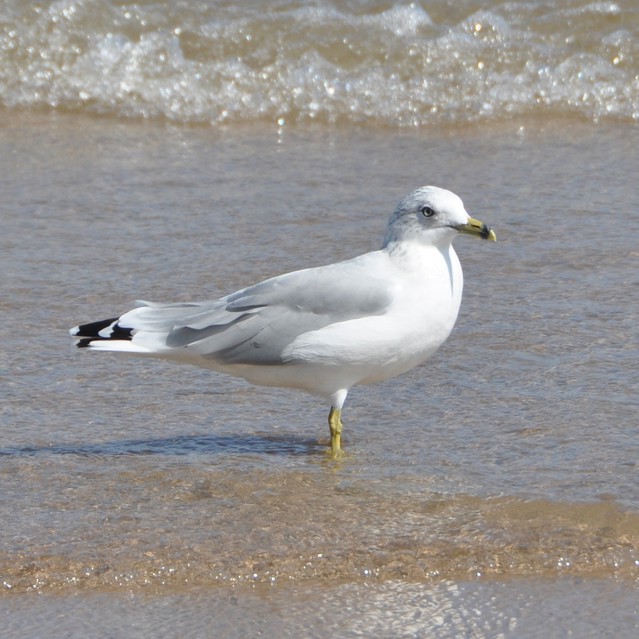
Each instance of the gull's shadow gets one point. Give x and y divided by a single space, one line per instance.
180 445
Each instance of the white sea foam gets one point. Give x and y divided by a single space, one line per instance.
328 62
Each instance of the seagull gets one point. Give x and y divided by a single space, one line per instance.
322 329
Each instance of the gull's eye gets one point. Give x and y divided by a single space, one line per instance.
427 211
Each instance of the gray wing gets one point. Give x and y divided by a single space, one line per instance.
256 324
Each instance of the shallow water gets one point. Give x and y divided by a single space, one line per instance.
491 491
392 609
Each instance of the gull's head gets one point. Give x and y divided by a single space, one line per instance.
433 216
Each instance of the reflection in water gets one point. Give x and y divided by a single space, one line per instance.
268 444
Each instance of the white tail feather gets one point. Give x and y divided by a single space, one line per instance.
117 346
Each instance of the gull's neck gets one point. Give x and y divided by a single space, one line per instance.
414 248
436 264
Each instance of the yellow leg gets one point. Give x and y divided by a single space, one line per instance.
335 424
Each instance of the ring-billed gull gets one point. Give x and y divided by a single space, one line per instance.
321 329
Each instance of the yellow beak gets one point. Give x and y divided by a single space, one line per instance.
475 227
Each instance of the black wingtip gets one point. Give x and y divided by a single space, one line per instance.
92 329
95 331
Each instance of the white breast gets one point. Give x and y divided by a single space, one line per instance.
427 294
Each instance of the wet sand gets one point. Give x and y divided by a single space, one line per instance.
491 491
